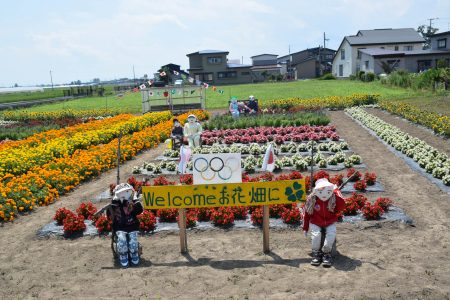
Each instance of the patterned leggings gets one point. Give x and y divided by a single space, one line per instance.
132 246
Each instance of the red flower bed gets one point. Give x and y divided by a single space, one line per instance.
240 212
186 179
360 185
372 211
103 224
73 223
147 221
161 180
337 179
291 216
264 134
87 210
61 214
222 216
257 216
191 218
384 203
321 174
370 178
203 213
276 210
356 177
167 215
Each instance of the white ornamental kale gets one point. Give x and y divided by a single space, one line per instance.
323 163
323 147
300 164
284 148
286 162
303 147
171 166
446 180
428 157
332 160
255 149
235 149
136 170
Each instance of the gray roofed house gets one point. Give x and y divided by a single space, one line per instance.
211 66
347 60
378 60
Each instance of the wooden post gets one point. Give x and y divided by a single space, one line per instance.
266 247
118 156
182 227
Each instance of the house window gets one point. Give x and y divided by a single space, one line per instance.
407 48
341 70
215 60
442 43
423 65
230 74
358 56
366 64
342 54
396 48
329 56
204 77
245 73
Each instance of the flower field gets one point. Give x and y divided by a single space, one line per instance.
26 115
20 156
331 102
437 122
428 158
27 180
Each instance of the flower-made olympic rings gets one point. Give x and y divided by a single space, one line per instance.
208 175
232 163
225 173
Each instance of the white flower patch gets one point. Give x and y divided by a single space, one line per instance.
428 158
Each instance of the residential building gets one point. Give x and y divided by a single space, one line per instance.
265 66
212 67
348 58
308 63
383 61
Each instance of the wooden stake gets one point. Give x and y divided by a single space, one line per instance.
266 247
182 227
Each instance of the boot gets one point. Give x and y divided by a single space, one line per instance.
327 260
317 258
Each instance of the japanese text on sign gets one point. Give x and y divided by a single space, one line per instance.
231 194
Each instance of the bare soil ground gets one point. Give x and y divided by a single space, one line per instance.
386 260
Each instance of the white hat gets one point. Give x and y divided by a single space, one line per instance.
192 116
251 97
323 182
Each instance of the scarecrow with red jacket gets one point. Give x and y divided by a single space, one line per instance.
321 213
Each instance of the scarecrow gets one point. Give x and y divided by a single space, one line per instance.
321 213
192 131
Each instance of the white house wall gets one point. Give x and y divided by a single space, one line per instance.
346 62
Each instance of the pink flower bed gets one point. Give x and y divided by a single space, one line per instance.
265 134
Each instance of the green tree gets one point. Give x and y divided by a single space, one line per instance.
426 32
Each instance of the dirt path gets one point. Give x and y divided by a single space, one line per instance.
440 143
377 260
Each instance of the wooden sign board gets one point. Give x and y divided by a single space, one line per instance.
229 194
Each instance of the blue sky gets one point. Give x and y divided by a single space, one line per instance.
88 39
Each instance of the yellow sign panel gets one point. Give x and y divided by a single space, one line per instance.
229 194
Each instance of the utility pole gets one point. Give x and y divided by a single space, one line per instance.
325 40
51 78
431 20
134 77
